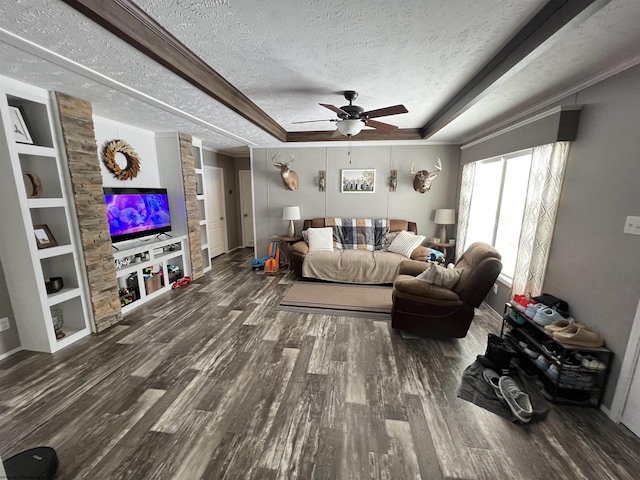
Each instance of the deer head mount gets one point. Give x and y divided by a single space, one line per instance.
289 177
422 180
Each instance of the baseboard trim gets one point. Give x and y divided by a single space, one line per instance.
10 352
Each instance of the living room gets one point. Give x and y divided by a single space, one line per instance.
592 264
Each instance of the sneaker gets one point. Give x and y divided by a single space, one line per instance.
533 308
514 319
571 379
529 352
518 401
543 363
520 300
591 363
547 316
570 363
492 378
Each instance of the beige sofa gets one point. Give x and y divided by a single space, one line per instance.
352 266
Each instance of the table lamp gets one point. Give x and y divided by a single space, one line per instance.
291 214
444 217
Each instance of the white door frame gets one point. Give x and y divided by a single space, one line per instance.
224 207
627 370
244 243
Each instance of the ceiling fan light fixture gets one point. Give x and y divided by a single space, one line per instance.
350 127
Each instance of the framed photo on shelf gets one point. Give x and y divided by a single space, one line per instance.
44 237
19 126
359 181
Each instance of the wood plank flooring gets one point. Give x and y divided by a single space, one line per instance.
211 382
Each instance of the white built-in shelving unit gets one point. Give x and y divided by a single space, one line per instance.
202 202
25 265
146 269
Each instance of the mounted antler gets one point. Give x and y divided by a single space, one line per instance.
423 178
289 177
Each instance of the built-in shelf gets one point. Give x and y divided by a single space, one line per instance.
153 274
42 167
46 202
63 295
55 251
37 150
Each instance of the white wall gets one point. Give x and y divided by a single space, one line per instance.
142 141
593 264
271 195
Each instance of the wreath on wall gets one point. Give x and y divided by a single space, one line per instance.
133 160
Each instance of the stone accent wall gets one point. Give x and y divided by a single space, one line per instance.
86 180
193 215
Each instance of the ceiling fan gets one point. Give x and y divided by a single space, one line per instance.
351 118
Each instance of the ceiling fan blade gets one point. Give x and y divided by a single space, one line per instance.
383 127
334 108
312 121
383 112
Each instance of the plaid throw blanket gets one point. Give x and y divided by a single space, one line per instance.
358 233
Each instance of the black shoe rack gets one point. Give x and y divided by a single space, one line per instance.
556 389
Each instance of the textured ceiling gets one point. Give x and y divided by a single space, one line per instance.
287 56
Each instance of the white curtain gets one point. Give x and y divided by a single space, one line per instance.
543 195
464 206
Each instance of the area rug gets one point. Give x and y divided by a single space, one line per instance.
369 301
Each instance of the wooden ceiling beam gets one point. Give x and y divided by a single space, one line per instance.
364 135
552 17
130 23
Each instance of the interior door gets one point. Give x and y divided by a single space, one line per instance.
246 208
215 210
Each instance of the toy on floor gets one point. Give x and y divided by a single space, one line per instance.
270 262
181 282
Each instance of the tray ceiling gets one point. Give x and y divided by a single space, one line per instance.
287 56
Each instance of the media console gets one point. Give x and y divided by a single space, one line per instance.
146 269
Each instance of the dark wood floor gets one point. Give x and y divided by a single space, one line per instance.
210 381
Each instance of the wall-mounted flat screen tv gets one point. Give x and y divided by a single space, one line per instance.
137 212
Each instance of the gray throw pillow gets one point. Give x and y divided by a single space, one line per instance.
440 276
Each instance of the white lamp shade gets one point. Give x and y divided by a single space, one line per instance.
291 213
445 216
350 127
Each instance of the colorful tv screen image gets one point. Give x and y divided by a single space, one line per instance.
134 215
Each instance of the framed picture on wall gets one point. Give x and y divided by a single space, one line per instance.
358 181
19 126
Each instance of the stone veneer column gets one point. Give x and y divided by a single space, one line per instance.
86 180
193 213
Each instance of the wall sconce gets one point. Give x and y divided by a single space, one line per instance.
393 180
322 182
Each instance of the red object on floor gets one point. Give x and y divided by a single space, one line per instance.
182 282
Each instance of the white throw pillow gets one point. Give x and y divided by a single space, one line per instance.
405 243
390 237
440 276
320 238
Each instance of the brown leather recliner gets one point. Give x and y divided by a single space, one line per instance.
440 312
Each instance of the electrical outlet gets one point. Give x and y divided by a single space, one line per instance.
632 225
495 288
4 324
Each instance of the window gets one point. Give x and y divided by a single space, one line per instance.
497 206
